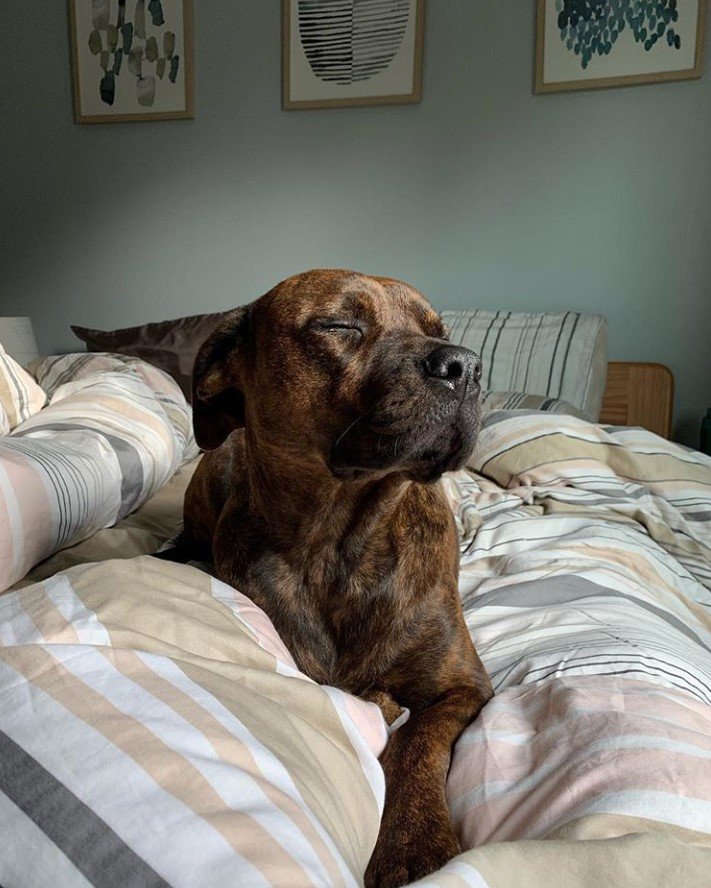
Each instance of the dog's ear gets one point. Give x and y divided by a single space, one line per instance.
218 394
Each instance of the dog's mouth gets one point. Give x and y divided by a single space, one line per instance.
423 453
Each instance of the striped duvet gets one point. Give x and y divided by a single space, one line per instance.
585 581
155 731
114 431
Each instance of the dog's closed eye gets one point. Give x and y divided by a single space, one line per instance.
339 328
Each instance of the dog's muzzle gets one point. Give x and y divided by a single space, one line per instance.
424 423
454 366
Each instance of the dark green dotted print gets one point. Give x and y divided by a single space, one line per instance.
590 28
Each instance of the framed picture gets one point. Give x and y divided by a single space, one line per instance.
337 53
591 44
131 59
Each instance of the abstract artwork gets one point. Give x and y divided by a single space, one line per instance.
589 44
131 59
351 52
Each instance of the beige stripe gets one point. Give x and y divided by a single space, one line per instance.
170 770
608 826
167 609
443 879
108 408
547 451
630 861
638 564
297 722
677 542
46 616
227 746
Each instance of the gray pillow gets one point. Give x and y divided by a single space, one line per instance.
170 345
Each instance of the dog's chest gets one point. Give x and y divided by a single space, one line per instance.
340 623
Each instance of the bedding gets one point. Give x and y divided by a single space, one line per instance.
115 430
556 354
155 731
585 581
142 532
492 401
20 396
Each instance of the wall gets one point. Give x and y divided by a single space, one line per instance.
482 195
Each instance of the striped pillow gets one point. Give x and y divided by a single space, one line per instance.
561 355
491 401
20 396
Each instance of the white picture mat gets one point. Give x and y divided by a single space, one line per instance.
397 79
169 96
627 57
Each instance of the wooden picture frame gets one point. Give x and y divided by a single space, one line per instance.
633 48
84 99
302 88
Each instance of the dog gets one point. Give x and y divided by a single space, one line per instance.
330 407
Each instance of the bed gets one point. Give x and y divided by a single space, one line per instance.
155 730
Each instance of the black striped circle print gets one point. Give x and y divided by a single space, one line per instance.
347 41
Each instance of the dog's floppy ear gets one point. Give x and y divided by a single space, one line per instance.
218 395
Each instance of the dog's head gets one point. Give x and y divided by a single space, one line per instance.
354 370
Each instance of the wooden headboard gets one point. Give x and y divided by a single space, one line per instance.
638 394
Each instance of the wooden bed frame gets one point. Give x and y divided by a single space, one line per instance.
639 394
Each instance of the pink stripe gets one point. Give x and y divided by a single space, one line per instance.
536 756
26 524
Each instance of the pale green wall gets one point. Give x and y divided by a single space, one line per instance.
483 195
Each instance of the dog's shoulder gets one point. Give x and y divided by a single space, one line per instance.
219 475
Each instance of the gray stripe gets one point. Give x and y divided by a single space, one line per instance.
640 658
463 337
562 590
567 353
129 461
531 351
72 369
493 350
64 474
131 472
555 352
483 344
518 351
92 846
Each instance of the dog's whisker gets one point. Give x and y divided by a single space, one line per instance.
344 433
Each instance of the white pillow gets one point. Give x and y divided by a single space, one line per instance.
561 355
20 396
491 401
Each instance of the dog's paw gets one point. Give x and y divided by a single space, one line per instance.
401 858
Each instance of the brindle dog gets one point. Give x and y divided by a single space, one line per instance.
332 406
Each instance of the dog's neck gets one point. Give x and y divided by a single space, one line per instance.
304 506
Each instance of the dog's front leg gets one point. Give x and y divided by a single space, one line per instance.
416 834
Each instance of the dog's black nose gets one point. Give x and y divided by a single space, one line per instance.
453 365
